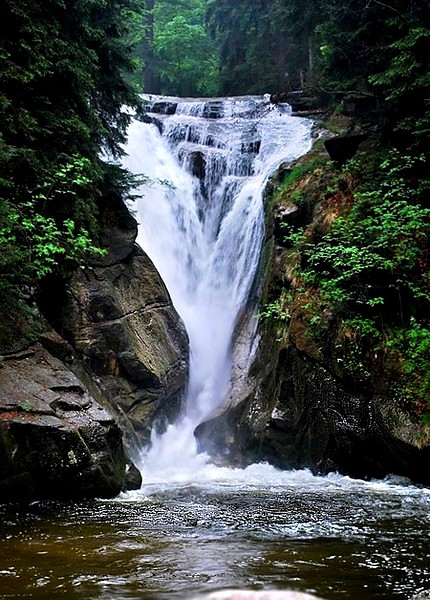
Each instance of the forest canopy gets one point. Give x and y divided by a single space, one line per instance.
67 69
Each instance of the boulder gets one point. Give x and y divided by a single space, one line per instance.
342 148
55 441
164 107
197 164
213 109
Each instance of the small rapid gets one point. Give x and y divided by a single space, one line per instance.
201 221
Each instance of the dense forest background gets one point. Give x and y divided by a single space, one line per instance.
67 68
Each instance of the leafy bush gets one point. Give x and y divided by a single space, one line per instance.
32 243
377 248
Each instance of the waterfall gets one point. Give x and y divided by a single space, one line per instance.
201 221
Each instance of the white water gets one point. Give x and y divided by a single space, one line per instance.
204 235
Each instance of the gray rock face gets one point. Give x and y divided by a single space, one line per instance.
107 361
298 415
55 441
120 321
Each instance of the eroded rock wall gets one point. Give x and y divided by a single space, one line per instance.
300 409
101 361
120 321
55 440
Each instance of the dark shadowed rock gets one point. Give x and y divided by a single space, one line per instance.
110 343
129 345
213 110
55 441
163 107
197 164
121 322
342 148
302 416
133 478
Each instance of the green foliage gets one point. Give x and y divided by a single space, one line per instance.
174 50
185 53
263 46
359 293
405 81
359 335
32 244
277 316
412 347
63 88
375 250
274 311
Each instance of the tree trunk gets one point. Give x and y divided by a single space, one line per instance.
310 54
283 78
148 53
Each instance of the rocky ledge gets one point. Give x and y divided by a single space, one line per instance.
55 441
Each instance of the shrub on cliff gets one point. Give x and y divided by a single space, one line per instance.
358 297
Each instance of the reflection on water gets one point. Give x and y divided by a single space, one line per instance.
332 536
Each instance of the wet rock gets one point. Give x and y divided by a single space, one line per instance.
163 107
121 322
285 218
133 478
121 346
57 346
213 110
120 232
197 163
251 147
55 441
296 99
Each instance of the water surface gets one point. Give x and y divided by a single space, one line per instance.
255 529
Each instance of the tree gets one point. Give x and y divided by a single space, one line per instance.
176 52
264 46
63 88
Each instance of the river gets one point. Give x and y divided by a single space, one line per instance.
257 529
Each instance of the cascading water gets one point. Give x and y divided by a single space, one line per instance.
201 221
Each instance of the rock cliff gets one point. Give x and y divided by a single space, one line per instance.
318 395
86 375
55 441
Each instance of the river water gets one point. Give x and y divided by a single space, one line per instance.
195 527
256 529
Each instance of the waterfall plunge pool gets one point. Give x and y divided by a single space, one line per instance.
255 529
